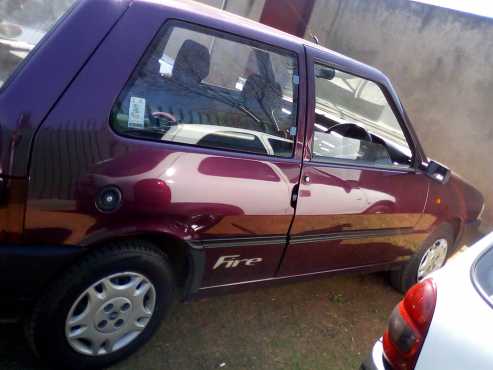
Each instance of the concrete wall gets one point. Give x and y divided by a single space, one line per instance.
247 8
439 60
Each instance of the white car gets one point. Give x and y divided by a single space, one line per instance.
444 322
227 137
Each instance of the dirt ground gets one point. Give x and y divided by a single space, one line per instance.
321 324
325 324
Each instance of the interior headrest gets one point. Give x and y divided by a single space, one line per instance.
192 63
254 87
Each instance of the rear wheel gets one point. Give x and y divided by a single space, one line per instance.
103 308
434 252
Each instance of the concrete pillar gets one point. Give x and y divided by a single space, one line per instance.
291 16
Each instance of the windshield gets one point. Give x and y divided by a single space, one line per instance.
23 23
482 275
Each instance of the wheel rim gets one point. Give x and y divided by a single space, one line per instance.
433 259
110 314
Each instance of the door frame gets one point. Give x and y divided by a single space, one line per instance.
327 58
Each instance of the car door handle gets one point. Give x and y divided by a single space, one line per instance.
306 179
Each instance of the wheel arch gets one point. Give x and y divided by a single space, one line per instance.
458 226
186 258
456 223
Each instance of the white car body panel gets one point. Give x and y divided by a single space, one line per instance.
460 334
192 133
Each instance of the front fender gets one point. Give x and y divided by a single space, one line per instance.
456 200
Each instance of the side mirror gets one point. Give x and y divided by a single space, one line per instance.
438 172
10 30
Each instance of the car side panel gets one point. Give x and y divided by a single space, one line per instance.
195 194
354 217
237 263
454 201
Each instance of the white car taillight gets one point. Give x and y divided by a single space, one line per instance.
408 326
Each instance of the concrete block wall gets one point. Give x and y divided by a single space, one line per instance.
246 8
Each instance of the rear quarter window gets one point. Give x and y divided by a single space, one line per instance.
202 87
23 24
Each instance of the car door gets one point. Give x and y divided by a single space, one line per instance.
179 126
359 197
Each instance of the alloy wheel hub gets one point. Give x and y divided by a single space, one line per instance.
433 259
110 314
113 315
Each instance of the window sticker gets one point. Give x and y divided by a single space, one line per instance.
136 114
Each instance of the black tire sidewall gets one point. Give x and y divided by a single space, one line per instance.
49 335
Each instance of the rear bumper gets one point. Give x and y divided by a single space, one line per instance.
25 271
376 361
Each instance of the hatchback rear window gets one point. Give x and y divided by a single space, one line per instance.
23 23
482 275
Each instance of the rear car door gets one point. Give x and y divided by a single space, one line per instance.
360 196
197 128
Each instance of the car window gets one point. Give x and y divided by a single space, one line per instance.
22 26
206 88
280 147
354 122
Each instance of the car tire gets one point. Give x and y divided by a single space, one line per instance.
127 286
407 276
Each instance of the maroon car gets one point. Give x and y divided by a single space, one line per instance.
148 148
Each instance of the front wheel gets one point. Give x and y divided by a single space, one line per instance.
103 308
434 252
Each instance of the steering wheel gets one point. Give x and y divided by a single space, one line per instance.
351 131
356 132
164 119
